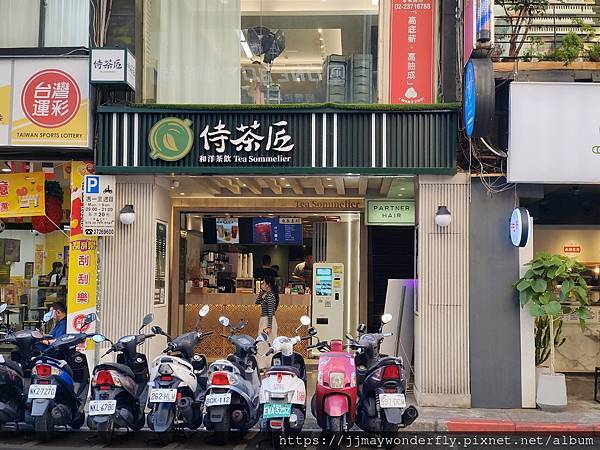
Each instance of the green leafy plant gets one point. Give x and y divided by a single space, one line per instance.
542 338
594 52
554 285
570 48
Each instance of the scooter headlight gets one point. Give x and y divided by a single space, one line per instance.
336 380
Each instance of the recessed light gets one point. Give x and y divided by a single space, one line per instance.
287 185
330 185
282 178
237 178
402 189
182 193
244 184
320 30
328 179
400 195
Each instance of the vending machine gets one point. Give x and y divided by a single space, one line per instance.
328 300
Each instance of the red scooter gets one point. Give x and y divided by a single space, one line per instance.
334 402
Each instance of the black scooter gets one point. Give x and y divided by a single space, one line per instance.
60 382
381 384
15 373
120 390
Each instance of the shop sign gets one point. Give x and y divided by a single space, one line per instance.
22 194
160 270
99 205
411 51
83 257
521 226
112 66
554 133
290 220
391 212
171 139
572 249
44 102
479 97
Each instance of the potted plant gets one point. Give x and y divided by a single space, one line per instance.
553 286
594 52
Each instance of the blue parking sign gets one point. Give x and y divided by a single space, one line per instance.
92 184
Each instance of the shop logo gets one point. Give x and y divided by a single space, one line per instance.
50 98
596 150
171 139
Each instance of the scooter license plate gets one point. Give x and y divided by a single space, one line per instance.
162 396
392 400
274 410
42 391
102 407
217 400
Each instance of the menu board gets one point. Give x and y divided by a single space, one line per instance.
272 231
228 231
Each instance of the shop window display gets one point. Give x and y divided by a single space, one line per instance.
260 52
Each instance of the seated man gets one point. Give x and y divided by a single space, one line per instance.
59 314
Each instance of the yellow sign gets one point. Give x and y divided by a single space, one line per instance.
5 97
22 194
83 259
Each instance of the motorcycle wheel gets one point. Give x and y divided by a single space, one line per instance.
336 425
44 426
221 430
140 423
78 423
105 431
276 437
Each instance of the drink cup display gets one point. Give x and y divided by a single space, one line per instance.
263 232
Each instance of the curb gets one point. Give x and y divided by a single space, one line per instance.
479 426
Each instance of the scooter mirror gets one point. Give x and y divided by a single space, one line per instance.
262 337
48 316
98 338
361 328
3 307
90 318
148 319
386 318
312 331
224 321
305 320
204 311
157 330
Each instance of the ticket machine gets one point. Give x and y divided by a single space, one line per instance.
328 300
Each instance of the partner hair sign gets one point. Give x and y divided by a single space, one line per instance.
554 133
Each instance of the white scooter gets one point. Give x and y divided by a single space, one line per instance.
176 388
283 391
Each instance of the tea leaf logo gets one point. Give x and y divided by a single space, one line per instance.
170 139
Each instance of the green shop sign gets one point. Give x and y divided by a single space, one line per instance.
391 212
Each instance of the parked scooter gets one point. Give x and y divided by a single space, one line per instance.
334 402
176 383
60 381
15 373
283 390
120 390
382 384
232 396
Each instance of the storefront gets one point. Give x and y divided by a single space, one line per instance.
554 161
218 190
44 133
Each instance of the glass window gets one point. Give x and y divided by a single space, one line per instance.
260 51
65 23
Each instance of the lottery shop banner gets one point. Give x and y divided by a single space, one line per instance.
412 51
50 102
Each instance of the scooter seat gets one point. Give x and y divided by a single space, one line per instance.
291 369
14 366
125 370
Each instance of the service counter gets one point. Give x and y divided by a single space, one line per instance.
240 306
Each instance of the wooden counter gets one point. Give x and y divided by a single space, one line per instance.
242 306
197 297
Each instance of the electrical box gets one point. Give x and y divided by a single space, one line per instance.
328 300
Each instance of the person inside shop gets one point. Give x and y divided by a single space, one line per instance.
62 292
303 272
268 299
58 312
56 274
266 270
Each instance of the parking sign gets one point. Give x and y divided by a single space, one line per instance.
92 184
99 205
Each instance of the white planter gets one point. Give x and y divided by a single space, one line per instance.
551 392
539 371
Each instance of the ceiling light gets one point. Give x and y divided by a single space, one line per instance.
282 178
330 185
402 189
287 185
182 193
328 179
237 178
400 195
320 30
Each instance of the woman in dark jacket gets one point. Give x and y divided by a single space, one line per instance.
268 299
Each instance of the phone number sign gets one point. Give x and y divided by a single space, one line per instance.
99 205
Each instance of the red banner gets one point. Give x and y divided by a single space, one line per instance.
412 51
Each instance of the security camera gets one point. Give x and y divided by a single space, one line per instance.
35 232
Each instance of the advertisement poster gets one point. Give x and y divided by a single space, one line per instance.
276 231
228 231
22 194
83 259
50 103
160 270
412 51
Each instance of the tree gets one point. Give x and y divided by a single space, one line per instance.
520 14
